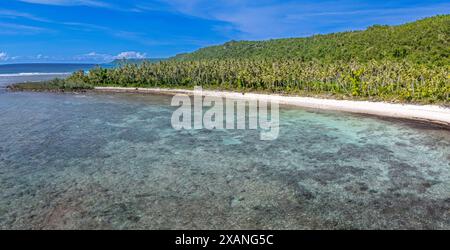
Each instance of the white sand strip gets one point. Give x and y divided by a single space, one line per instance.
430 113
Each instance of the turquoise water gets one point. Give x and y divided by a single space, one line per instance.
112 161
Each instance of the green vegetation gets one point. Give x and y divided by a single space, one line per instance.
407 63
425 41
56 85
119 62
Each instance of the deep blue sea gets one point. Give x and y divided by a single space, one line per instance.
31 72
40 68
113 161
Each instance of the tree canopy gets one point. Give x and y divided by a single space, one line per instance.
426 41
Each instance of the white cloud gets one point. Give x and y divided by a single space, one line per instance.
18 29
264 19
94 57
100 57
69 2
131 55
3 56
15 14
252 20
88 3
42 57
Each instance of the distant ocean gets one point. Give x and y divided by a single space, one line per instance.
32 72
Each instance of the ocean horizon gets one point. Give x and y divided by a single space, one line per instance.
225 115
43 68
35 72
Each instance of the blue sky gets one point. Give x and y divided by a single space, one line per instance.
101 30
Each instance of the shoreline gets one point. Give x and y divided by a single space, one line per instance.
425 113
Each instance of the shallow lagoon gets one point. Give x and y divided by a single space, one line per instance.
112 161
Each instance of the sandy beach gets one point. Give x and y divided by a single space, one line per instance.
430 113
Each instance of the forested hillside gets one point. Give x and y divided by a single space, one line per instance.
407 63
425 41
119 62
